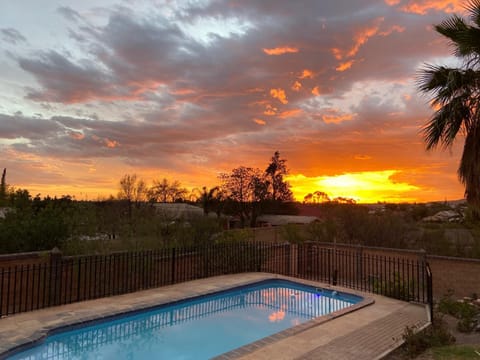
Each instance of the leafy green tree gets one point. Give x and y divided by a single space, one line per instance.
455 94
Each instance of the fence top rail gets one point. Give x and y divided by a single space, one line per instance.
376 248
449 258
24 255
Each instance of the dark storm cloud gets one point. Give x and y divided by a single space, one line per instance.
18 126
12 36
66 81
69 13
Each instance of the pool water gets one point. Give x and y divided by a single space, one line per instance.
199 328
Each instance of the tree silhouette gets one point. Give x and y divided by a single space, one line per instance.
242 188
456 96
280 190
166 191
209 199
3 188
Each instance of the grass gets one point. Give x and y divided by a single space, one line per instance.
455 352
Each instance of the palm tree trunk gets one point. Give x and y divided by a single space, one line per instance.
469 170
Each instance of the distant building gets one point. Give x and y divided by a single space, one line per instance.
4 211
177 211
279 220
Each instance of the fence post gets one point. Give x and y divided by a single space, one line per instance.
55 278
422 255
429 290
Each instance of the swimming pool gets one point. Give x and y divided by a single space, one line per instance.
198 328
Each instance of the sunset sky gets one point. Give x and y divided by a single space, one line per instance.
92 90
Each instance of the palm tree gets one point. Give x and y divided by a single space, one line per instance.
456 98
209 199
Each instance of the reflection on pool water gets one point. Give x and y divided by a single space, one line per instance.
199 328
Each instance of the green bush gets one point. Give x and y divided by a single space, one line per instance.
291 233
416 342
463 311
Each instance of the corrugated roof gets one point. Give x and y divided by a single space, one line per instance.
277 220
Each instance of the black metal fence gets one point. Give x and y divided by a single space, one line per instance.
63 279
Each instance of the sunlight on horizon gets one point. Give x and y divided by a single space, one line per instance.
363 187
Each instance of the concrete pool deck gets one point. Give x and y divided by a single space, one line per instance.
368 333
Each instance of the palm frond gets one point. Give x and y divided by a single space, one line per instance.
432 132
453 28
445 124
464 38
473 7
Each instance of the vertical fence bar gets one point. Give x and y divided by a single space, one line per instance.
28 289
79 283
172 279
32 298
14 303
9 272
20 295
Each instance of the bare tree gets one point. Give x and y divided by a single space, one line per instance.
166 191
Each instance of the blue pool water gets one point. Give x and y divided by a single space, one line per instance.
199 328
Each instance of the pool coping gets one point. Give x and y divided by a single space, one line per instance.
39 335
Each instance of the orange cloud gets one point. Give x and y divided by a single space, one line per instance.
259 121
421 7
362 36
280 50
345 65
362 157
306 74
337 53
76 135
270 110
111 143
183 92
296 86
290 113
394 28
392 2
334 116
280 95
316 91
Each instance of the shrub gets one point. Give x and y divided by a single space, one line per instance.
417 342
291 233
463 311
